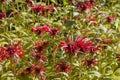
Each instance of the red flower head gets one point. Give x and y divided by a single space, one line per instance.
82 6
29 2
46 28
86 45
50 8
110 19
54 31
39 57
90 62
34 70
42 8
38 8
63 44
39 70
80 43
15 51
87 4
40 30
2 15
62 67
3 54
37 30
39 46
35 8
69 47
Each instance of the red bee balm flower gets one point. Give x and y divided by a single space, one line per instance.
46 28
39 57
87 4
34 70
15 51
70 48
29 2
83 45
86 46
90 62
62 67
40 30
110 18
2 15
38 8
50 8
54 31
39 46
3 55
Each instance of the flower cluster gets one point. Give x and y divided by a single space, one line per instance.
15 51
41 9
110 19
90 62
34 70
83 45
87 4
29 2
38 51
63 67
40 30
59 39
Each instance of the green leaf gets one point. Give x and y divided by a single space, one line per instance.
24 78
102 27
54 1
65 74
65 2
57 79
69 23
117 72
21 1
96 73
75 13
115 77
